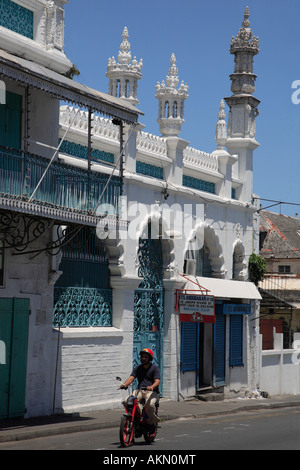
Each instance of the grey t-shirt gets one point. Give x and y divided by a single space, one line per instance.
145 376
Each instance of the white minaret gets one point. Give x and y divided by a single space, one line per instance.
171 102
243 106
225 159
124 75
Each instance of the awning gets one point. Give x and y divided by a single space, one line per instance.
270 300
224 288
37 76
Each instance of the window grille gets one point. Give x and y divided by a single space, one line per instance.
16 18
196 183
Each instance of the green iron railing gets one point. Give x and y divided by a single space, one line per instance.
63 186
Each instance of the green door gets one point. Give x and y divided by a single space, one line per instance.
14 315
10 121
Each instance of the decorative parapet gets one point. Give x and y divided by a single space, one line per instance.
150 143
200 160
101 127
150 149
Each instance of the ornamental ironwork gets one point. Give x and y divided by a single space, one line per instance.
16 18
148 327
81 307
82 296
18 231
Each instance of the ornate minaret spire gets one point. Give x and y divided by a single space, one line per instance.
244 47
171 102
123 75
243 107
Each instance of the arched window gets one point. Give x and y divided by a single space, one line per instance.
175 109
127 89
118 89
202 261
167 110
238 263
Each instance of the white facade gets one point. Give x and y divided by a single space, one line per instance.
196 200
223 223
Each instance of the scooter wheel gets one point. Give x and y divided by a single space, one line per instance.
126 431
150 435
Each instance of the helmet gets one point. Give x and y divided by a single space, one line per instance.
148 351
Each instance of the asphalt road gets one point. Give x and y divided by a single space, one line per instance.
253 430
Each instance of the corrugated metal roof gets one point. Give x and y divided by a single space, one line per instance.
64 88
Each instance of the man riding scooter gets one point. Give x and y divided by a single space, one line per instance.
148 375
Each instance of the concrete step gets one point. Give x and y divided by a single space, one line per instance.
210 394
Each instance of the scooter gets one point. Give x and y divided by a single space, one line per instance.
135 423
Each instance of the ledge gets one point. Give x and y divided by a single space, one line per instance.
88 332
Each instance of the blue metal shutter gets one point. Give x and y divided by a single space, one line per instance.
236 341
189 346
219 348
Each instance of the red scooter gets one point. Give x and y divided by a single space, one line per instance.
134 422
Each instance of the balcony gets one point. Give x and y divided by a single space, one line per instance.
64 193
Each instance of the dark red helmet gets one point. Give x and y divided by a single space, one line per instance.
147 351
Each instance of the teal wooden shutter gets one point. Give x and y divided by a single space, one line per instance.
10 121
19 358
236 341
189 346
14 314
6 314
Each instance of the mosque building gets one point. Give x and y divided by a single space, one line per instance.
113 239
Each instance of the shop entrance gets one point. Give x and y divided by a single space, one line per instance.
197 352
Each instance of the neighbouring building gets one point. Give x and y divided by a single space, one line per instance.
105 227
280 288
41 197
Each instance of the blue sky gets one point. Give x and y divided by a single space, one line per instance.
199 33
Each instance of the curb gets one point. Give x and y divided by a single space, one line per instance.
68 428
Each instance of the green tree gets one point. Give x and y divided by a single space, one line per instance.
257 268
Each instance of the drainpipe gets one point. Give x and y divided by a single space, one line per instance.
89 157
56 366
119 123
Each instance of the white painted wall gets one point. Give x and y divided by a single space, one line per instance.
27 277
280 368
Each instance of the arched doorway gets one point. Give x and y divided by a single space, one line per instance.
202 344
148 329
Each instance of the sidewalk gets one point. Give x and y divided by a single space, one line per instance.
22 429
